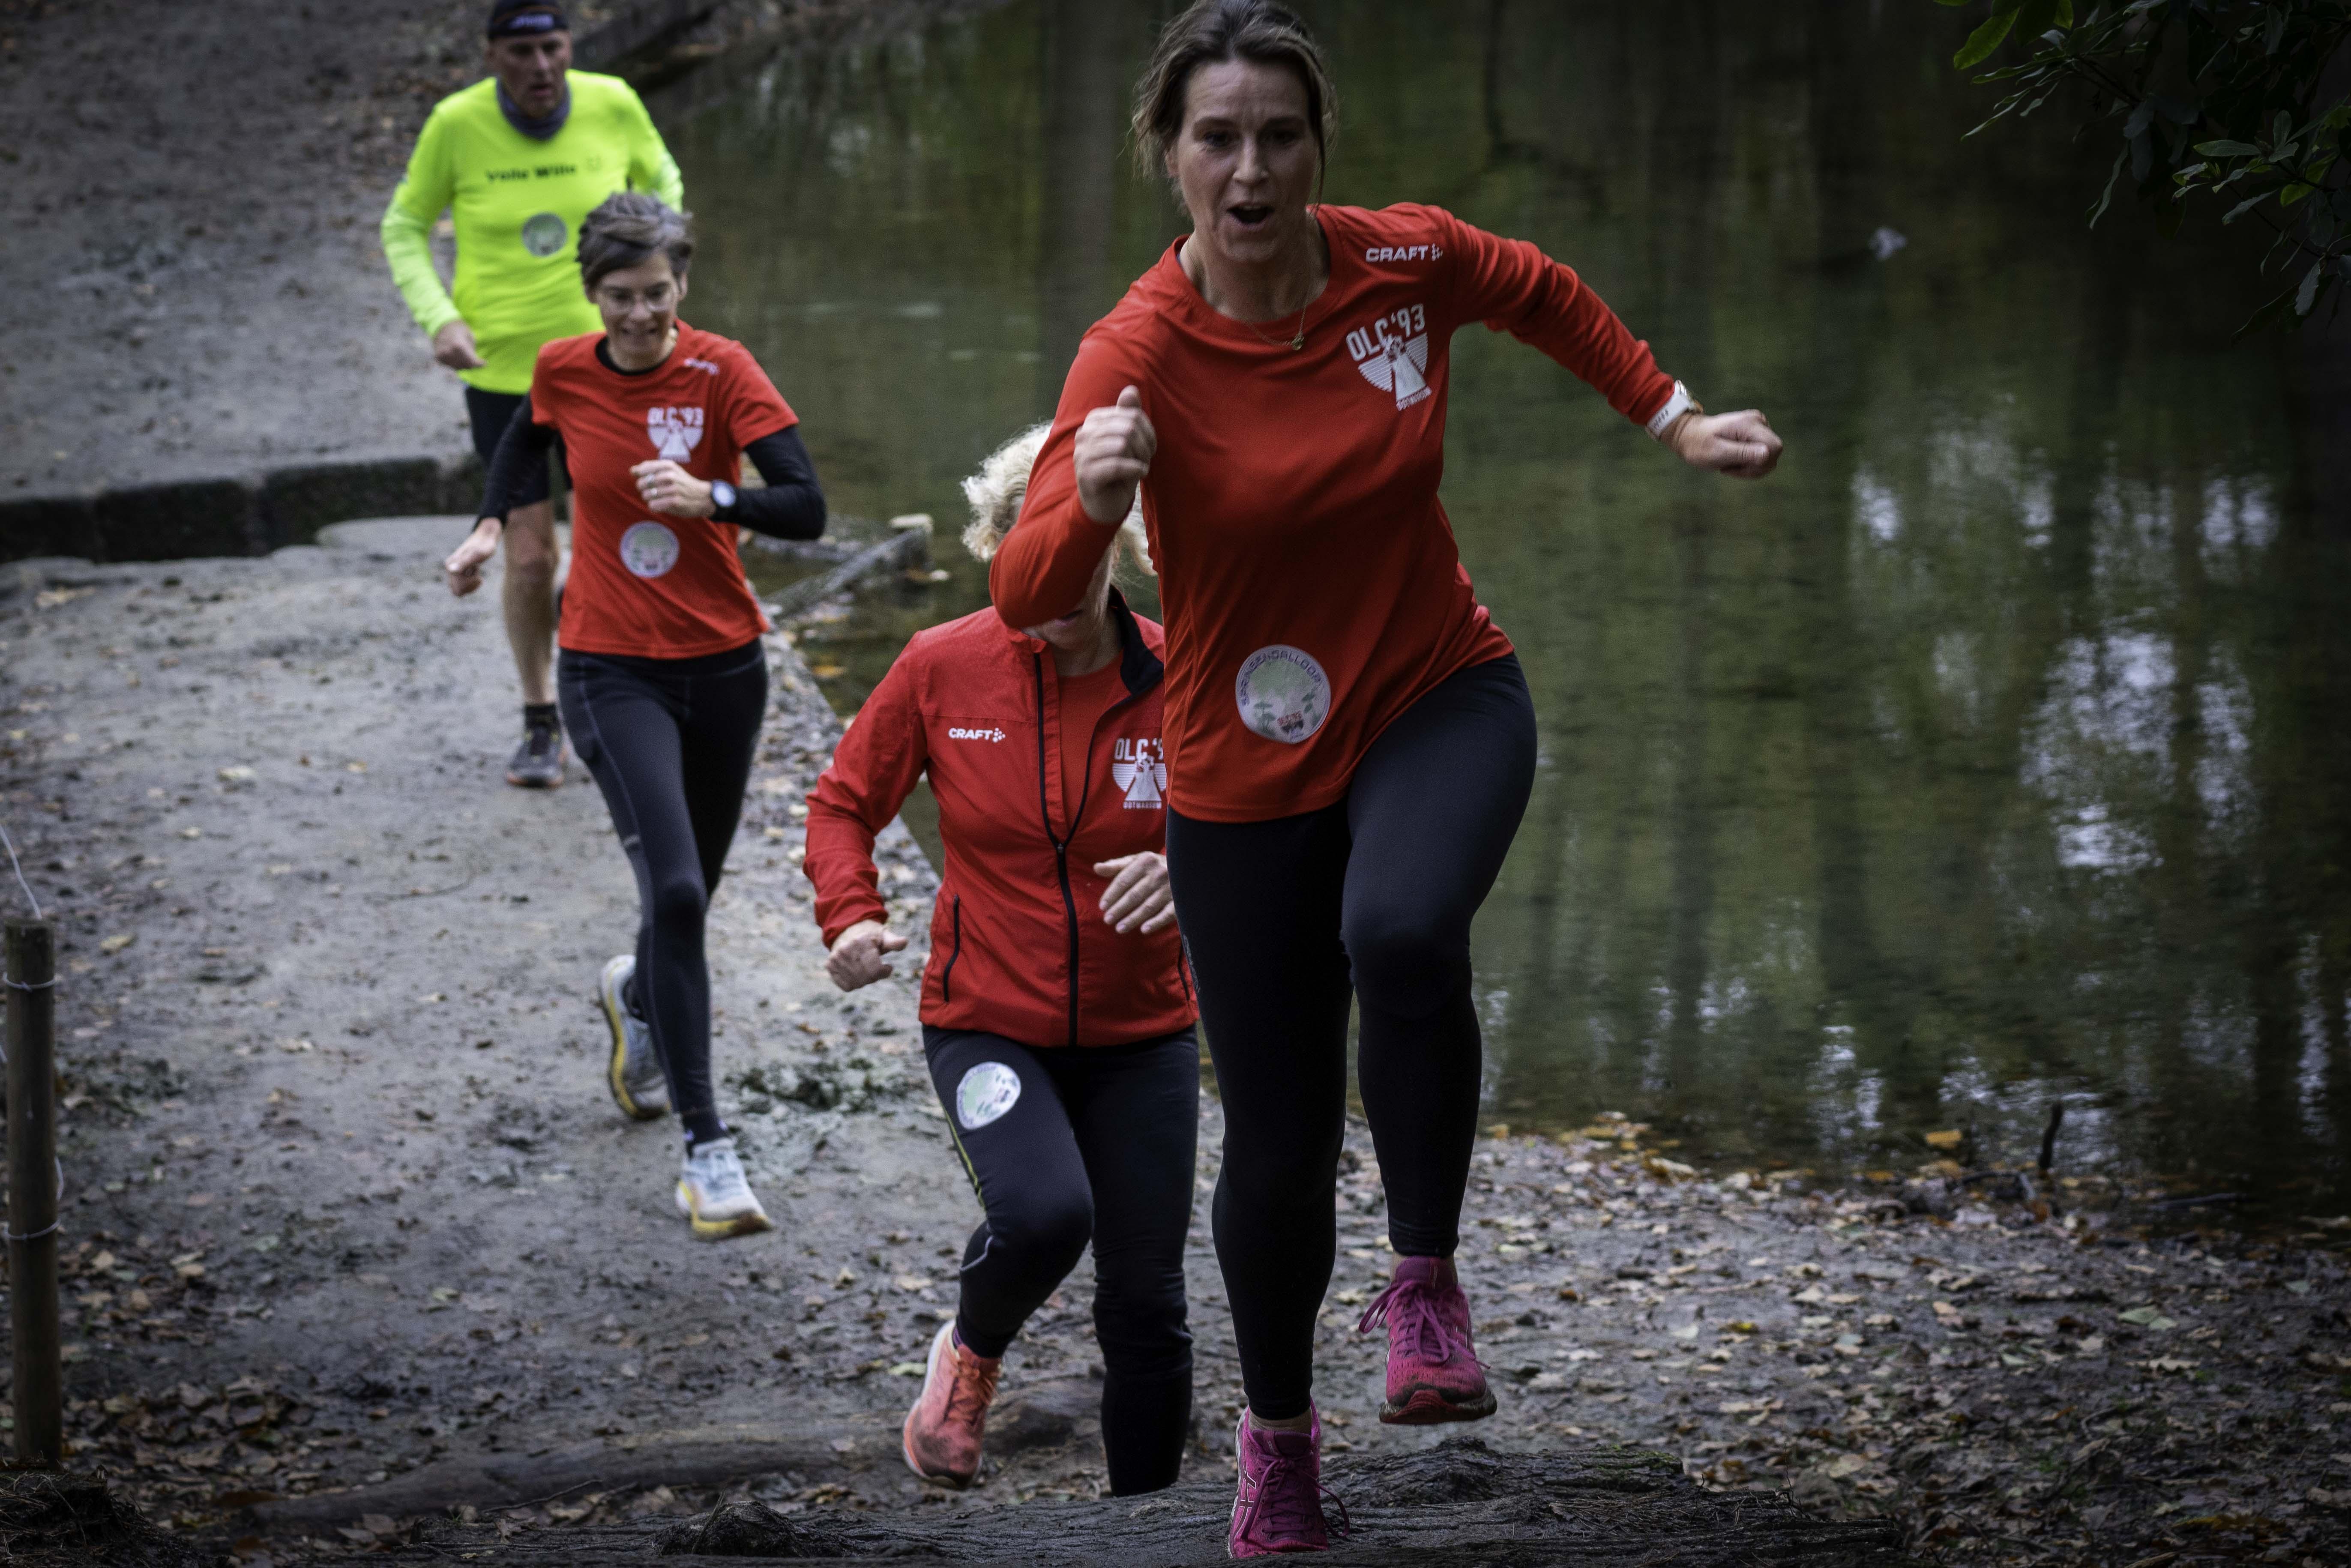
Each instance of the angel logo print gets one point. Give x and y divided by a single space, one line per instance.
1393 353
1140 768
675 432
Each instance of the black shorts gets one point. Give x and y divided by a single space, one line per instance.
490 413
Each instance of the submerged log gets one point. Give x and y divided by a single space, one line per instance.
1452 1506
908 546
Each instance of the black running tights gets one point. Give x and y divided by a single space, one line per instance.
670 742
1372 897
1068 1145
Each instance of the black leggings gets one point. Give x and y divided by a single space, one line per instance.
670 742
1066 1144
1284 918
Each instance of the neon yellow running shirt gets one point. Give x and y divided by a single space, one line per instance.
517 204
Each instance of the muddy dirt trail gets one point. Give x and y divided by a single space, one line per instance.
360 1254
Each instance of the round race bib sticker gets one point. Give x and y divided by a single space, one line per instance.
543 234
985 1093
1283 694
648 550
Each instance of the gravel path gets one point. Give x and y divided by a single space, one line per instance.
347 1199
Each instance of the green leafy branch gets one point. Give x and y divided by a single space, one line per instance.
2216 98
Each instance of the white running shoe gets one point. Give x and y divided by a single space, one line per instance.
633 1073
714 1194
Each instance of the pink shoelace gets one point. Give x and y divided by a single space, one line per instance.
972 1383
1410 1307
1287 1504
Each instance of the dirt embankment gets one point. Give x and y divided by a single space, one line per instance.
197 190
352 1224
194 191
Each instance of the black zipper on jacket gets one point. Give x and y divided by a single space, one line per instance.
947 976
1140 674
1061 845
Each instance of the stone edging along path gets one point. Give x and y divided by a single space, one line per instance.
247 516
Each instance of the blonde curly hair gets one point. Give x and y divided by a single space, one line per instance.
996 490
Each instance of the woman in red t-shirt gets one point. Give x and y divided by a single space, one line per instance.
1350 740
1057 1015
661 676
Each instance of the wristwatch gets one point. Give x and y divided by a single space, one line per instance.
1679 404
721 499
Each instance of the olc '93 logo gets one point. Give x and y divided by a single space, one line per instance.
1393 353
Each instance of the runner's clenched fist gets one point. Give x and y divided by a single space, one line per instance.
1114 452
862 954
669 489
1741 445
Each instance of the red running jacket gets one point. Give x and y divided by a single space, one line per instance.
1018 946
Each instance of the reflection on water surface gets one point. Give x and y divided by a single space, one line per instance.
1988 756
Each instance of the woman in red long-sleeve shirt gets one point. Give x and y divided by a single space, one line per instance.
1350 740
1057 1015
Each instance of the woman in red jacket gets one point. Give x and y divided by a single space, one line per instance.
1350 740
1057 1014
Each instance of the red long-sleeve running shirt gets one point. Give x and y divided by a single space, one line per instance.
1311 580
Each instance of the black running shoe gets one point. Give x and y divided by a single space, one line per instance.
537 762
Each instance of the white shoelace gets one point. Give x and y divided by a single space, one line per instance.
638 1060
717 1170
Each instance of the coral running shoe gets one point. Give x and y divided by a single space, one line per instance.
537 762
716 1196
943 1431
1434 1373
633 1073
1279 1505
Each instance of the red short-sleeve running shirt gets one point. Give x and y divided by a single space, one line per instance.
643 584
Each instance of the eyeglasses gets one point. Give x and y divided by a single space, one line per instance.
620 301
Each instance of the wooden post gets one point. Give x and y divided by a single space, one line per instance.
37 1389
914 530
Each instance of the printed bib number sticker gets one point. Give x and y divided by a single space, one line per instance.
543 234
985 1093
1283 694
648 550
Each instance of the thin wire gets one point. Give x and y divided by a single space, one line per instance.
27 886
8 1235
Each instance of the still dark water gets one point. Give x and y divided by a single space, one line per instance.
1993 755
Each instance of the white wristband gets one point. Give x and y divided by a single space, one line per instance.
1662 421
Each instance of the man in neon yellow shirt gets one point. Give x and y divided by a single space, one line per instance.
519 160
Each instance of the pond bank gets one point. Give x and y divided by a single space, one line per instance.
353 1226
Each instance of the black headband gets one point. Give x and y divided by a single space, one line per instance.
526 19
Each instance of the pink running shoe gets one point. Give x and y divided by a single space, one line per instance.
943 1431
1278 1507
1434 1373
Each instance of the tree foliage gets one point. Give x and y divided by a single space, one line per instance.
2230 101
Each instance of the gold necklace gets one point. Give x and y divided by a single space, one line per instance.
1297 338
